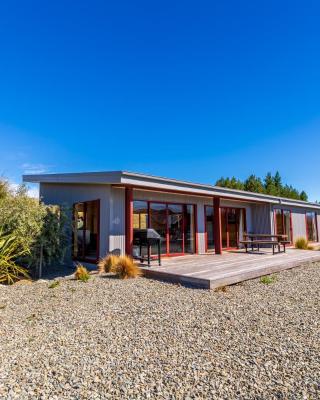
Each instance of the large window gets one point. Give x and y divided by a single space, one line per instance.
312 226
140 215
233 225
86 230
174 222
189 215
158 221
283 224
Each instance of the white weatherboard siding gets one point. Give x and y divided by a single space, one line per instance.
68 194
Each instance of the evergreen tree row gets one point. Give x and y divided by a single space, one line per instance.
269 185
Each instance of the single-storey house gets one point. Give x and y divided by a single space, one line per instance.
191 218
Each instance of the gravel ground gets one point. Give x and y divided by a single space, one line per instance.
140 339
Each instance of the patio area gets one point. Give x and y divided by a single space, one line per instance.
212 271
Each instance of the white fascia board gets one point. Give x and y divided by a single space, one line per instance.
195 189
112 177
152 182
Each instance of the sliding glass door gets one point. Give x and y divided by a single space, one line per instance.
189 225
175 228
232 226
86 217
312 226
174 222
209 222
158 222
283 224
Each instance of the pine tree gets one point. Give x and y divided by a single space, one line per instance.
303 196
253 184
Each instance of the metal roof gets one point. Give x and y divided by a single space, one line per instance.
162 183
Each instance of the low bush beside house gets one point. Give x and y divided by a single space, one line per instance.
108 263
41 232
127 268
301 244
123 267
82 274
10 251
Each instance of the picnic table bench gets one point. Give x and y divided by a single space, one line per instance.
259 239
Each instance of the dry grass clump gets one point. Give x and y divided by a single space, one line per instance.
108 263
222 289
127 268
301 244
82 274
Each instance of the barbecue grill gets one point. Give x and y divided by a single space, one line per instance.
146 238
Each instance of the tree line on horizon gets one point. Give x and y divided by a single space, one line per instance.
271 184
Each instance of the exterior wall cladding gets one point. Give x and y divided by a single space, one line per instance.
259 217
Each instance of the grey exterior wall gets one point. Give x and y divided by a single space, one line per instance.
68 194
298 218
259 217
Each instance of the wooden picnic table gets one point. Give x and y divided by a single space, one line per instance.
255 240
265 235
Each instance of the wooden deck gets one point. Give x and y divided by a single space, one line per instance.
211 271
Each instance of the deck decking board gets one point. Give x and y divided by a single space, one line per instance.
211 271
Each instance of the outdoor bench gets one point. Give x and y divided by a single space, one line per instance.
257 243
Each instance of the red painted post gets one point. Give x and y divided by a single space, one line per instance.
195 210
217 225
129 219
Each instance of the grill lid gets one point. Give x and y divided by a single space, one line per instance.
145 234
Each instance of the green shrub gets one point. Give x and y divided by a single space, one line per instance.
10 251
39 229
82 274
301 244
268 279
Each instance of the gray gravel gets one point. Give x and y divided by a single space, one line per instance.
140 339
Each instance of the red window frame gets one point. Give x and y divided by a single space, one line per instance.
205 224
85 205
225 209
166 203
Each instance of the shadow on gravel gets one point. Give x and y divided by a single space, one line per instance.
57 271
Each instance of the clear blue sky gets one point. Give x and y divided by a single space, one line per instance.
190 90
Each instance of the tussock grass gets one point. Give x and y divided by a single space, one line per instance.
222 289
301 244
127 268
108 263
82 274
